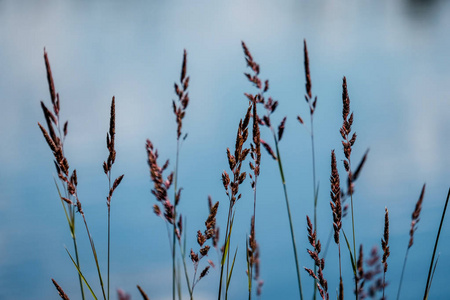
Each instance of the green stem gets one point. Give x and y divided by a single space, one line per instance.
250 271
354 242
175 220
77 261
70 216
94 252
109 230
315 195
109 236
403 272
353 225
183 255
427 288
280 167
223 260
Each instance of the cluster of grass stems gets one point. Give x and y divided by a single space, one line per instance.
369 279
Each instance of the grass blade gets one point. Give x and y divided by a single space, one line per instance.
71 221
432 273
81 275
249 271
427 287
231 273
350 252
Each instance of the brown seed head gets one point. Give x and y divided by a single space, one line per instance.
345 99
385 240
335 198
60 290
416 217
143 294
307 74
194 257
51 84
204 272
281 129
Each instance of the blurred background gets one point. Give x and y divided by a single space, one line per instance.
395 55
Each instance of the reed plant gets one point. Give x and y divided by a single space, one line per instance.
312 102
69 197
270 105
370 276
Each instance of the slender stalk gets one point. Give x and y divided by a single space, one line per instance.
353 230
403 272
109 233
183 255
70 216
250 263
175 218
340 268
77 259
315 196
327 245
427 287
280 167
173 260
94 252
225 250
432 273
109 238
354 243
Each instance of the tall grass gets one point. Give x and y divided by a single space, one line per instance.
370 274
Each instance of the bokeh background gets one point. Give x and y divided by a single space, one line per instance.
395 55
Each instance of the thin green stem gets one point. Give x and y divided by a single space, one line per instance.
353 224
403 272
94 252
174 274
225 251
427 287
354 243
183 255
109 236
70 216
340 268
432 273
109 231
77 261
280 167
315 195
250 265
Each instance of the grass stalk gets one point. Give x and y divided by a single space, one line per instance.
427 287
56 144
183 258
77 260
82 276
174 233
403 272
315 193
226 247
312 107
109 237
94 252
179 111
414 220
70 216
354 242
291 226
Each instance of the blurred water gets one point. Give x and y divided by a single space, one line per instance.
395 57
